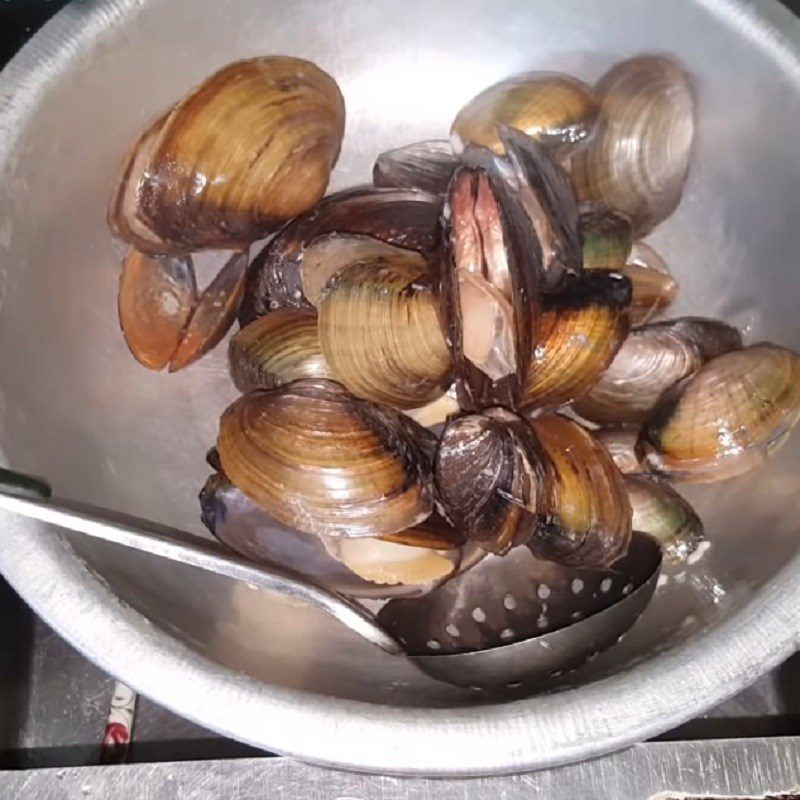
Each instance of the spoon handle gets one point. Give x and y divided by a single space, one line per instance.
18 494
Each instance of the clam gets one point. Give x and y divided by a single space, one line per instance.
490 478
424 165
557 110
661 512
654 289
606 237
162 319
620 441
726 418
156 299
249 148
214 313
406 569
546 195
406 218
276 349
638 159
380 333
320 460
653 358
489 287
580 332
437 411
328 254
588 520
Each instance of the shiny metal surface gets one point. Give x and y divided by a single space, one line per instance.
751 767
75 407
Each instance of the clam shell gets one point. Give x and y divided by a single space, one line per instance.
249 148
156 299
326 255
638 159
246 528
557 110
546 195
322 461
424 165
406 218
661 512
726 418
214 313
588 521
580 332
653 358
489 288
380 333
506 599
277 349
654 289
606 236
489 478
620 441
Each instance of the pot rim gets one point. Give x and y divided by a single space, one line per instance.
528 734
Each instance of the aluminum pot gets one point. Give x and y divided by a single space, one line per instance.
76 408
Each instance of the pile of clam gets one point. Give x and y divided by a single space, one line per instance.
466 357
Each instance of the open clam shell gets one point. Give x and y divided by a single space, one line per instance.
544 190
490 478
638 160
580 333
506 599
156 299
651 360
588 520
423 165
249 530
249 148
276 349
322 461
489 289
661 512
557 110
726 418
406 218
380 333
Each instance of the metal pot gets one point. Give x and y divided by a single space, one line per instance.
74 406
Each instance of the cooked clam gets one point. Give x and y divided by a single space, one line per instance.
276 349
638 159
249 148
156 299
661 512
214 313
726 418
424 165
581 331
326 255
489 287
490 478
403 217
588 520
380 333
620 441
249 530
654 289
653 358
557 110
606 236
546 195
320 460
